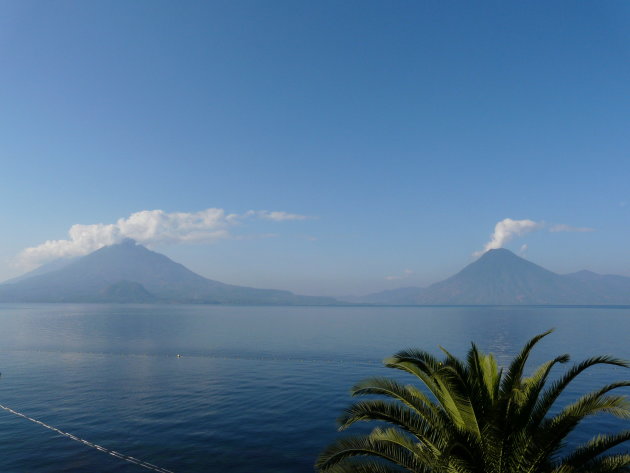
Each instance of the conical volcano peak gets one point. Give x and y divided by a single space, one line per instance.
498 252
127 246
499 256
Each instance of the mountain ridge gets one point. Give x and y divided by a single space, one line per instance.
119 271
128 272
499 277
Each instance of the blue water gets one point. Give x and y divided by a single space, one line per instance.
256 388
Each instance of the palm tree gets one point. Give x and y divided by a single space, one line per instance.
477 418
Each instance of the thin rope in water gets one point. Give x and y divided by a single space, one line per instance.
127 458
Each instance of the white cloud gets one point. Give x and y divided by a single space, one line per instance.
148 227
278 216
507 229
561 227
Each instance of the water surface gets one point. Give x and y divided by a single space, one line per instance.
254 388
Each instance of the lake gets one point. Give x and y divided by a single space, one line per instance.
254 388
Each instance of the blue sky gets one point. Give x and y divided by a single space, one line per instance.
404 131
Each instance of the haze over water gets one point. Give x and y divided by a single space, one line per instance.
255 387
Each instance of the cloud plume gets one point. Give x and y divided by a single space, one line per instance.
507 229
148 227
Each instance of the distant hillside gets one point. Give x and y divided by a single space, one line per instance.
500 277
609 286
46 268
128 272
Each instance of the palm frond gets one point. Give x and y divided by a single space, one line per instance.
549 397
553 431
610 464
394 413
473 418
380 444
365 465
515 371
435 377
484 374
594 448
533 385
407 394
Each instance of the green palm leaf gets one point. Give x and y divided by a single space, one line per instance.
469 416
594 448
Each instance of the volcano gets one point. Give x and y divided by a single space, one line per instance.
129 272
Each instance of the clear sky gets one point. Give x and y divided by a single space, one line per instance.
389 137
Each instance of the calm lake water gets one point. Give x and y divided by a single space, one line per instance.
256 388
